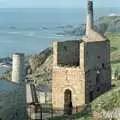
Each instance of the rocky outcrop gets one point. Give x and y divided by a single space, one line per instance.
40 66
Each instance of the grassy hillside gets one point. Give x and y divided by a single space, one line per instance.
115 51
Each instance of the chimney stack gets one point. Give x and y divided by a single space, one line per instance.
90 17
18 71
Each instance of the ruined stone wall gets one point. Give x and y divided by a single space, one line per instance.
97 67
12 101
68 78
68 53
68 73
88 80
96 53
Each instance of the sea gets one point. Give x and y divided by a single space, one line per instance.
31 30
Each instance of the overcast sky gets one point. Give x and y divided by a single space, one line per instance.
56 3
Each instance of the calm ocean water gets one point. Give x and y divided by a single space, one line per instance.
32 30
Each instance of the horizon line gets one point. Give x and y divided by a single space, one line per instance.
54 7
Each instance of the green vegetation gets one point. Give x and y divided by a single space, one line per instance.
115 51
108 101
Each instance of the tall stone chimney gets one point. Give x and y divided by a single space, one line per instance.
90 17
18 72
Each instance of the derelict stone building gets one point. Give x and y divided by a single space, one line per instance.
81 69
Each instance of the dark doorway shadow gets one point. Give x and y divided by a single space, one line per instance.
68 102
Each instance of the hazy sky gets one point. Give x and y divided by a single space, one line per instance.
57 3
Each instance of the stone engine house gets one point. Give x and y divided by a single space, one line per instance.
81 69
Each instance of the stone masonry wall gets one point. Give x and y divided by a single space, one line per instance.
68 78
97 67
96 54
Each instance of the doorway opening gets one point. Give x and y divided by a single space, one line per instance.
68 102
